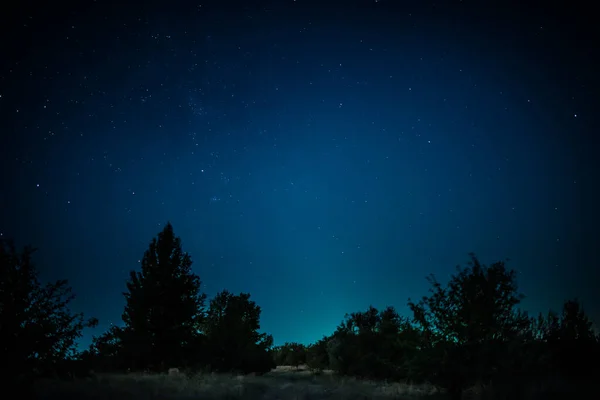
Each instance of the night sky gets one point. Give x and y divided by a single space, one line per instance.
322 156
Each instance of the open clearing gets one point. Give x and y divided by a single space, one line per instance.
282 383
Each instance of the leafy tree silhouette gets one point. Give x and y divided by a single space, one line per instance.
232 335
279 354
106 353
38 332
468 323
374 344
317 358
467 332
572 342
290 353
164 308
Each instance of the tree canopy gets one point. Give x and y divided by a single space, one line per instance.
465 331
232 334
166 323
38 331
164 307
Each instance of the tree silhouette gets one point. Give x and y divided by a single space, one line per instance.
469 322
38 332
232 334
317 358
164 307
106 353
374 344
291 353
279 354
297 355
572 342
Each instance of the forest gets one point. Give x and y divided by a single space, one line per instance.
464 333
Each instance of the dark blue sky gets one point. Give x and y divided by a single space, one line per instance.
321 157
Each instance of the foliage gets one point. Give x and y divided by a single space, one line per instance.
106 353
573 344
467 331
232 334
374 344
317 357
166 323
464 333
477 305
293 354
164 308
469 322
38 331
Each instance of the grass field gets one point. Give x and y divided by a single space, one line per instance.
282 383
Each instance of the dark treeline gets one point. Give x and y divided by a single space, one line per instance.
469 331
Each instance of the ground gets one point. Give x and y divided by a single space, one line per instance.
282 383
286 383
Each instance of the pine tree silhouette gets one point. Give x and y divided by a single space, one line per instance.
164 307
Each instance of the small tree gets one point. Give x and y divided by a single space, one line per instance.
232 333
164 307
374 344
317 358
467 322
279 355
106 352
296 354
38 332
572 342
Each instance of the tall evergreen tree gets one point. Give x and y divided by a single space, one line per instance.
164 307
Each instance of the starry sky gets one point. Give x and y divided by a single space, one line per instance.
323 156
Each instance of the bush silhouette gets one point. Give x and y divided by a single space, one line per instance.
293 354
317 358
373 344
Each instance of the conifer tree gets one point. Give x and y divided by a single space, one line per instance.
164 307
